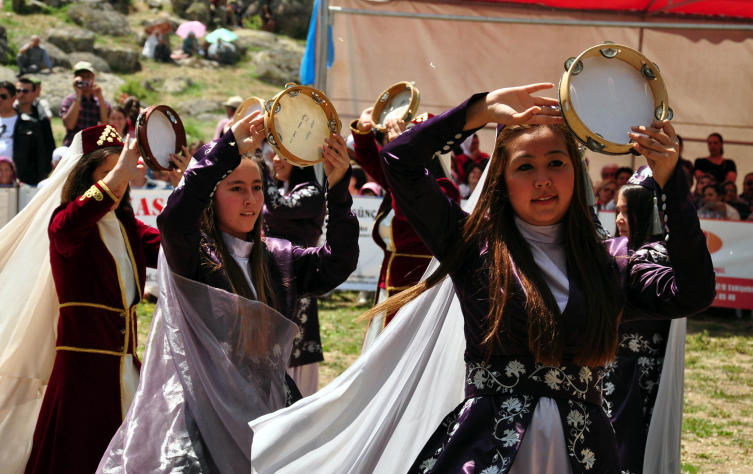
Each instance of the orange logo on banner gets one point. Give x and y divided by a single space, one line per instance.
712 241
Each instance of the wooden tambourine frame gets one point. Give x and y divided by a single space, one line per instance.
618 52
142 123
240 112
384 100
273 107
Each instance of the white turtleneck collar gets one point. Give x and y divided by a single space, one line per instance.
547 246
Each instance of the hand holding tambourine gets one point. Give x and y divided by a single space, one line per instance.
249 132
336 160
659 144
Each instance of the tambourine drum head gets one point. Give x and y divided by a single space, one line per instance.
256 107
397 107
161 137
248 107
610 96
301 126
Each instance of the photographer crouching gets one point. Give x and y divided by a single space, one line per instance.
85 107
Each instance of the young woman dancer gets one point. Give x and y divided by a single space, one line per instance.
99 253
631 382
541 295
405 255
294 209
227 301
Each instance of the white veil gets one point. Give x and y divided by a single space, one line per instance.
377 415
28 321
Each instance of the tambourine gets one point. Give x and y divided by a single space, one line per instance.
160 132
247 107
608 89
297 121
400 101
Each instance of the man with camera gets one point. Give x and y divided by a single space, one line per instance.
85 107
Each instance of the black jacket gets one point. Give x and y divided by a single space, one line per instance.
29 152
37 112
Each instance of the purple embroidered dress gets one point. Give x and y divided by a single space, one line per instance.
296 272
485 432
298 215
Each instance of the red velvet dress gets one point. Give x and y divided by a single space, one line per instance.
82 409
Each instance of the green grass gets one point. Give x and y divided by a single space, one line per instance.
690 469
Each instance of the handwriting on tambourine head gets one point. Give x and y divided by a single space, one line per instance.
305 126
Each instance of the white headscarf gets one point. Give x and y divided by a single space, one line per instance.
28 322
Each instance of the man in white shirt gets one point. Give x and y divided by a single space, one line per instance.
8 119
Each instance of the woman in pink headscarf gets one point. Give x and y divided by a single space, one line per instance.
8 175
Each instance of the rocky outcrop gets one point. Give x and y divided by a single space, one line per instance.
199 63
7 74
255 40
97 63
199 106
175 85
100 16
71 39
122 60
291 16
280 64
180 6
199 11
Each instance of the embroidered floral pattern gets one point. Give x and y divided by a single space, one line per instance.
515 406
92 192
637 343
300 345
558 379
294 199
482 376
578 422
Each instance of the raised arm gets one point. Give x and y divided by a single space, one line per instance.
180 220
367 150
686 284
435 217
319 270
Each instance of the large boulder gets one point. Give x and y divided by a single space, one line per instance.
199 106
71 39
180 6
254 40
58 57
279 65
175 85
7 74
55 87
99 64
199 11
119 59
291 16
197 62
100 17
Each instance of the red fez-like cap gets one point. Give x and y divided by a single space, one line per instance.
101 136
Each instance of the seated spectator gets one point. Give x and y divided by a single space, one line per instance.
150 45
117 119
459 161
604 193
700 185
622 175
132 107
371 189
608 172
357 180
715 164
7 173
162 50
142 181
474 172
32 58
267 19
191 45
730 197
231 105
747 195
714 206
57 155
86 107
21 139
222 52
194 146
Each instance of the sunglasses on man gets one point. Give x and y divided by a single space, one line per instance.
23 91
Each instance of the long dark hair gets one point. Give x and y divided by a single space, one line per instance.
81 179
640 214
257 262
590 266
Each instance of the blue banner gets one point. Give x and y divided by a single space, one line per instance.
308 65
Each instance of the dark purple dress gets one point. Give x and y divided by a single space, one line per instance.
631 382
298 216
484 433
296 272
